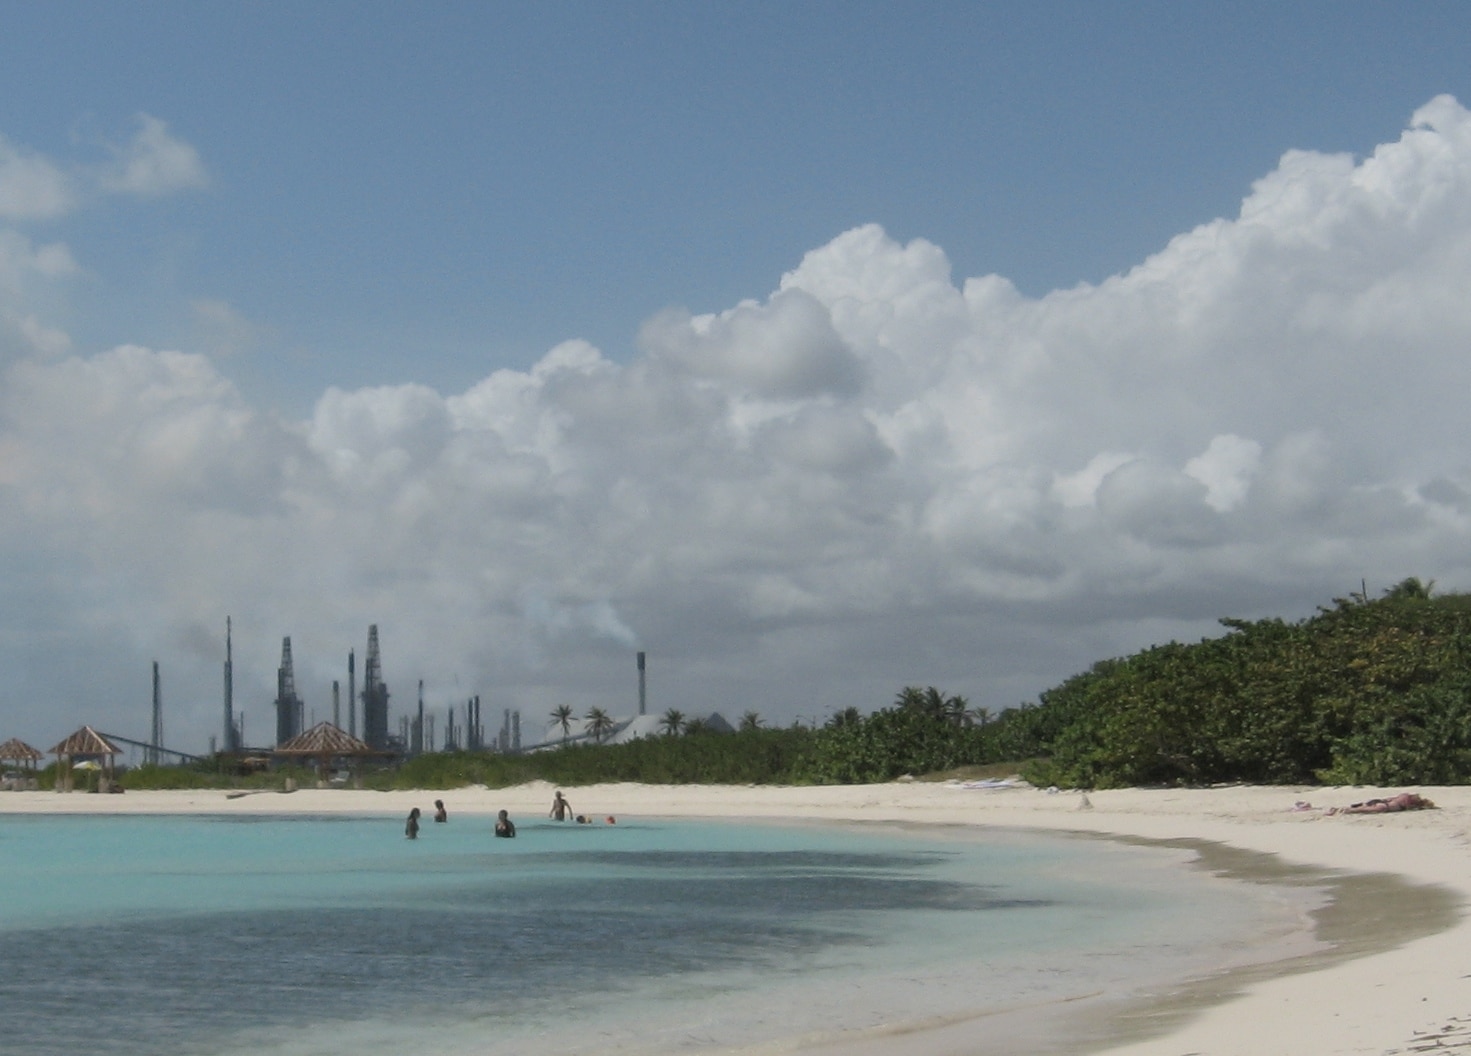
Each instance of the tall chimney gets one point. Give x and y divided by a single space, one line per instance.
418 744
352 695
642 697
230 740
153 754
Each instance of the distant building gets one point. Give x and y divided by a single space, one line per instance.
625 730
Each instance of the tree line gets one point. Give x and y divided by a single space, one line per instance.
1365 691
1362 692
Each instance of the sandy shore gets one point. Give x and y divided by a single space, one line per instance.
1412 998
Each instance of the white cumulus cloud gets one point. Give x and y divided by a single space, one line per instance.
154 162
876 474
31 186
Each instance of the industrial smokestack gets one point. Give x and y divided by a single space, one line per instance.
417 744
230 741
152 756
642 696
352 695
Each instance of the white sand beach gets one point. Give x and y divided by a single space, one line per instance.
1412 998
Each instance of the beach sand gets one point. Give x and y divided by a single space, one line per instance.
1398 979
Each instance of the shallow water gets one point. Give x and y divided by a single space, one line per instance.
187 936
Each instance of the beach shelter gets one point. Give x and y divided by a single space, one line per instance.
325 742
84 745
23 756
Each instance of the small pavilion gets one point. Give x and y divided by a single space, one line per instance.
24 757
85 745
325 742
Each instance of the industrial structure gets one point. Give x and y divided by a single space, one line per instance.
289 707
643 699
415 732
156 740
416 729
352 695
232 736
375 697
471 736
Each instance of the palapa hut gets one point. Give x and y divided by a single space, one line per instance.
85 744
325 742
25 759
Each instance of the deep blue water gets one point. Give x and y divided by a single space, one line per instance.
186 936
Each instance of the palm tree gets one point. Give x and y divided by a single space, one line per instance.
957 711
849 716
672 722
910 698
929 701
562 716
751 720
598 723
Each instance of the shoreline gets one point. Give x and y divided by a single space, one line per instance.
1346 1002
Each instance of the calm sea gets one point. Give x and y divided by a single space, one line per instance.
332 936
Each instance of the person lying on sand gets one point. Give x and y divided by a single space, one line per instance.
1403 801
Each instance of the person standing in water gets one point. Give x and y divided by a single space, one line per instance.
561 809
440 814
411 827
504 826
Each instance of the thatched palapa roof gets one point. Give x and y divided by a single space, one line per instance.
16 750
324 739
86 741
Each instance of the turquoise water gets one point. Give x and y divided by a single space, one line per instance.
330 936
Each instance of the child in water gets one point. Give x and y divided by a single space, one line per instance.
504 826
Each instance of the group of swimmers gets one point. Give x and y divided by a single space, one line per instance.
562 810
411 827
504 826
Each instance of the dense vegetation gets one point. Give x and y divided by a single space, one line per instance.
1364 692
754 756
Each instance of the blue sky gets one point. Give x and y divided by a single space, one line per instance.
416 192
759 410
